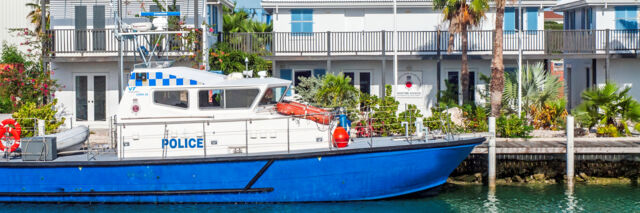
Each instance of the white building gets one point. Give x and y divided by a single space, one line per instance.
85 51
355 37
13 14
606 44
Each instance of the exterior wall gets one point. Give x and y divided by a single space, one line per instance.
426 70
377 19
13 14
64 73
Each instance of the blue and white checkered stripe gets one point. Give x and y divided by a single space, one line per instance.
160 79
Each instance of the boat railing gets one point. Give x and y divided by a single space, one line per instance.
29 127
369 125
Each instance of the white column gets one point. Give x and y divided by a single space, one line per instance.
395 48
570 151
41 128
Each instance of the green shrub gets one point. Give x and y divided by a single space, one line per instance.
475 118
11 55
440 120
607 106
29 111
513 126
384 119
410 116
337 91
608 131
308 88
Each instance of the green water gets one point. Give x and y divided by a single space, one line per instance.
452 198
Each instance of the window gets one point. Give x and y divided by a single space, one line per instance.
240 98
626 17
213 98
172 98
213 17
272 95
365 82
301 73
351 76
532 19
302 21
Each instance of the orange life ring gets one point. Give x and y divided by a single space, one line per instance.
315 114
14 132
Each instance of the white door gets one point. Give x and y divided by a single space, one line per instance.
91 101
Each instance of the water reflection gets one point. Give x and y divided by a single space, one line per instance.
491 204
571 200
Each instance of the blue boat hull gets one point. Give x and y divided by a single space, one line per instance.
364 174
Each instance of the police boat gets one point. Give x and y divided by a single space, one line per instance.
187 135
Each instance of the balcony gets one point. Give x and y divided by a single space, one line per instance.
101 44
539 43
91 44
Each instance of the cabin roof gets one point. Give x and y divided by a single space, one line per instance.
184 76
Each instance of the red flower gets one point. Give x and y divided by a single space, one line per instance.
210 29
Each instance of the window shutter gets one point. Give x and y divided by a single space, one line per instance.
509 19
319 73
532 18
286 74
632 17
620 18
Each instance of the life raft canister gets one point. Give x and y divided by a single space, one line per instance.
12 132
308 112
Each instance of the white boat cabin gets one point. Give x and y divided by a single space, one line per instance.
179 111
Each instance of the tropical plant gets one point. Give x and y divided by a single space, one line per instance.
608 105
30 111
449 97
308 88
337 91
236 21
551 115
461 15
475 118
35 16
230 60
22 80
411 115
497 66
513 126
538 87
608 131
384 119
440 119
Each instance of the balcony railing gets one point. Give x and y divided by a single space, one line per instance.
550 42
71 42
102 42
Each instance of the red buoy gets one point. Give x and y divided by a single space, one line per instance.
340 137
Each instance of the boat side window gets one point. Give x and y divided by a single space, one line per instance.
272 95
177 98
213 98
240 98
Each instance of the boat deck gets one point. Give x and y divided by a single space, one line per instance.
356 144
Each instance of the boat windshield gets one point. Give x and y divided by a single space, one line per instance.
273 95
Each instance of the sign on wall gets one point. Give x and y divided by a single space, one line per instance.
409 84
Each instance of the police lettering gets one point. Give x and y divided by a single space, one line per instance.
183 143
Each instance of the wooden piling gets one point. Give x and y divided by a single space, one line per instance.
570 151
492 152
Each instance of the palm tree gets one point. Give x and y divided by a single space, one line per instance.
608 105
462 14
497 62
236 22
35 16
538 87
336 91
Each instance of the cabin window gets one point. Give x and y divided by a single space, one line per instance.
272 95
240 98
179 98
211 98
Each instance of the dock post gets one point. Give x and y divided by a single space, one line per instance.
41 128
492 152
570 151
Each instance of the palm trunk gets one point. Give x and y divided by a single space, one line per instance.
497 65
464 71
